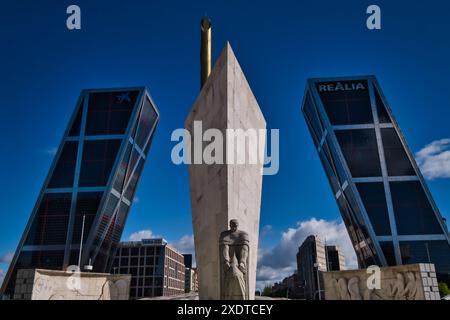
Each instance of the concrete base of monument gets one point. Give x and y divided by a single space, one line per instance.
406 282
39 284
194 296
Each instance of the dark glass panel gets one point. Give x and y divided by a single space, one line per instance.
109 112
346 102
74 257
124 271
148 292
121 171
158 281
147 147
148 281
383 115
51 222
64 172
388 250
105 221
150 251
125 252
332 179
397 161
146 122
134 251
330 151
360 151
130 191
116 232
87 205
413 212
48 259
374 199
437 252
131 164
98 160
52 260
313 120
158 292
134 271
358 231
121 219
76 125
111 207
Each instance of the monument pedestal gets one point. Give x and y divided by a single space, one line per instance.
221 192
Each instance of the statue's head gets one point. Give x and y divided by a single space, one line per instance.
234 224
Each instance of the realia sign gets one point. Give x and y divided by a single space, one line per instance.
341 86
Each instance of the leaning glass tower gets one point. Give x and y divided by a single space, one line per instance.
384 201
93 178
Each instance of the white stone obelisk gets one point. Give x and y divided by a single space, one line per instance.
221 192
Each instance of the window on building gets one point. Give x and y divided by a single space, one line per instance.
109 112
76 125
345 107
64 173
360 151
437 252
413 212
51 223
388 250
98 160
313 119
147 120
87 206
374 200
397 161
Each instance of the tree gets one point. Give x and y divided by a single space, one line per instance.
443 289
267 291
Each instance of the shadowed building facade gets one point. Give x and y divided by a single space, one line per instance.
385 203
94 175
311 262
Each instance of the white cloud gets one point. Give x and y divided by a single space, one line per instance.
185 244
143 234
7 257
266 230
136 199
280 261
434 159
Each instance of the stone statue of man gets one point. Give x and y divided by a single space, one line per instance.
234 260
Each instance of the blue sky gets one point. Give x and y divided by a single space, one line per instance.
279 45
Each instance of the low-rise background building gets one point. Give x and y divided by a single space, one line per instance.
156 268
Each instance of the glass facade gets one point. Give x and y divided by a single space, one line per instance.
384 201
94 176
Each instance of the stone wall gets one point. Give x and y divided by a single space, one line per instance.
406 282
41 284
